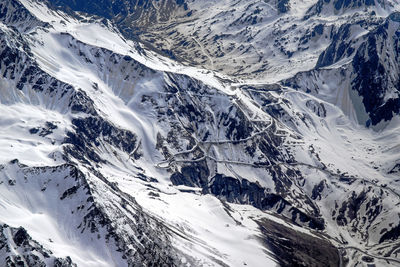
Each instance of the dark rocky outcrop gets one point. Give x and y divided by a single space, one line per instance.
22 69
283 6
339 6
195 175
338 49
296 249
243 192
26 252
392 234
375 76
90 132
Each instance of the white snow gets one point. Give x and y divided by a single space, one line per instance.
212 233
33 202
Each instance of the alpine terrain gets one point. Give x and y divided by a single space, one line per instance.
200 133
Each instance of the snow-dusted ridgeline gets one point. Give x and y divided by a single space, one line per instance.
157 163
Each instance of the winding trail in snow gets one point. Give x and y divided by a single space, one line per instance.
370 255
203 50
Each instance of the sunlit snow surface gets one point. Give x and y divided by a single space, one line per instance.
210 231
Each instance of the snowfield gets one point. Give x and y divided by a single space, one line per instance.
114 155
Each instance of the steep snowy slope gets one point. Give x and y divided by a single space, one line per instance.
59 122
131 158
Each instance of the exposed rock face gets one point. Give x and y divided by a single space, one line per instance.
371 73
21 250
245 192
24 76
341 6
79 198
13 13
304 250
94 129
376 74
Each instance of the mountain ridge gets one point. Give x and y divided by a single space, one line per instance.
188 166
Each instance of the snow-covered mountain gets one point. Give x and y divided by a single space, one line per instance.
199 133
